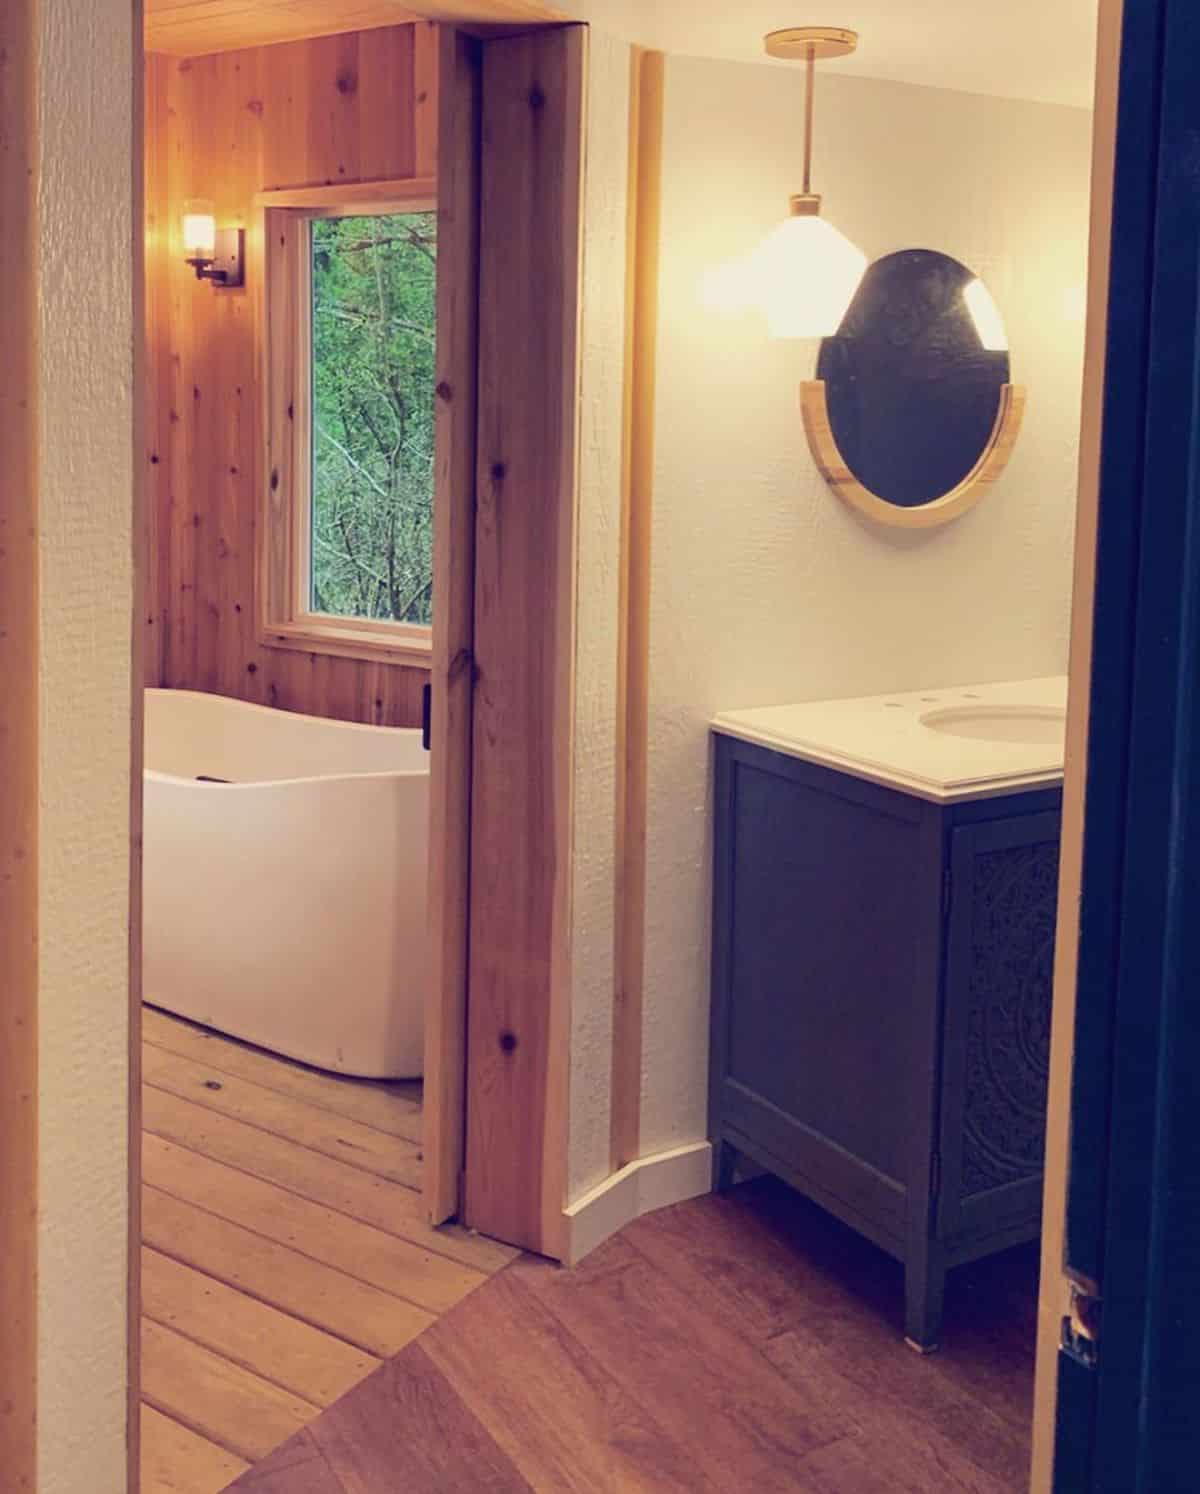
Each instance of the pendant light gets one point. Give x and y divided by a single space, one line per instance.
806 272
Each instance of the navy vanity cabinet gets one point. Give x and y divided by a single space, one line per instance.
881 1005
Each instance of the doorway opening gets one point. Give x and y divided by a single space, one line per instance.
321 600
182 531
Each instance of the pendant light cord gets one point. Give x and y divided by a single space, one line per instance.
808 118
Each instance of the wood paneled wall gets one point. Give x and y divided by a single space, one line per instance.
192 28
356 107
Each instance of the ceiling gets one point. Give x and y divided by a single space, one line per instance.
1028 49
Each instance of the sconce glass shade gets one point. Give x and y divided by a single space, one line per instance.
199 229
805 273
986 316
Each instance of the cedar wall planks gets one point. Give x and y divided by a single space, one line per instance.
189 28
355 107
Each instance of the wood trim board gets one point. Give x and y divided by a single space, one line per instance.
19 628
633 652
452 678
427 49
491 18
156 311
394 195
285 301
142 143
1053 1299
526 491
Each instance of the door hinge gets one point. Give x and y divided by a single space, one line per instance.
1081 1328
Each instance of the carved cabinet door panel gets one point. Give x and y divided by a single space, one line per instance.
996 1025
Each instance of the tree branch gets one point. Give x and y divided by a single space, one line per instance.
358 318
412 237
416 596
346 554
367 477
387 451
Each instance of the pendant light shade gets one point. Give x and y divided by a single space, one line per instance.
199 228
805 272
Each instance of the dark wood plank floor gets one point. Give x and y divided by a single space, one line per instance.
740 1342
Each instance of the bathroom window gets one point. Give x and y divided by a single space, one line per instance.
347 537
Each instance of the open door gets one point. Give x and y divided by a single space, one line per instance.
510 253
1127 1358
452 675
531 249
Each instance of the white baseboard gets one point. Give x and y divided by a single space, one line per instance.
650 1183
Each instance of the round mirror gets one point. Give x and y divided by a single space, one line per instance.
912 413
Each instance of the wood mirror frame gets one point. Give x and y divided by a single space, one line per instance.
911 415
950 505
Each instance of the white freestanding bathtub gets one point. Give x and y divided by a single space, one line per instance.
286 905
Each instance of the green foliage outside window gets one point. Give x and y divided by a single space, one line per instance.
374 308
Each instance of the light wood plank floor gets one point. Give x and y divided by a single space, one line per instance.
285 1253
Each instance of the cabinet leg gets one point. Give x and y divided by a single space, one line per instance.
725 1160
924 1290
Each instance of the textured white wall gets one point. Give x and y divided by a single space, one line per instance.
601 408
86 326
765 588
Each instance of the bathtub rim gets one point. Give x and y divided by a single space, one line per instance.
253 706
252 783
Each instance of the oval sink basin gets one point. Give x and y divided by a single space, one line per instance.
1035 725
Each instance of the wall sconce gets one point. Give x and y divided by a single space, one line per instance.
806 271
214 253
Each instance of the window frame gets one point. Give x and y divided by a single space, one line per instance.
286 619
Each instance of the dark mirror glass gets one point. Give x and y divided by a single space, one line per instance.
913 377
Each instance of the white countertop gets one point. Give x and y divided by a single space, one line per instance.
883 738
